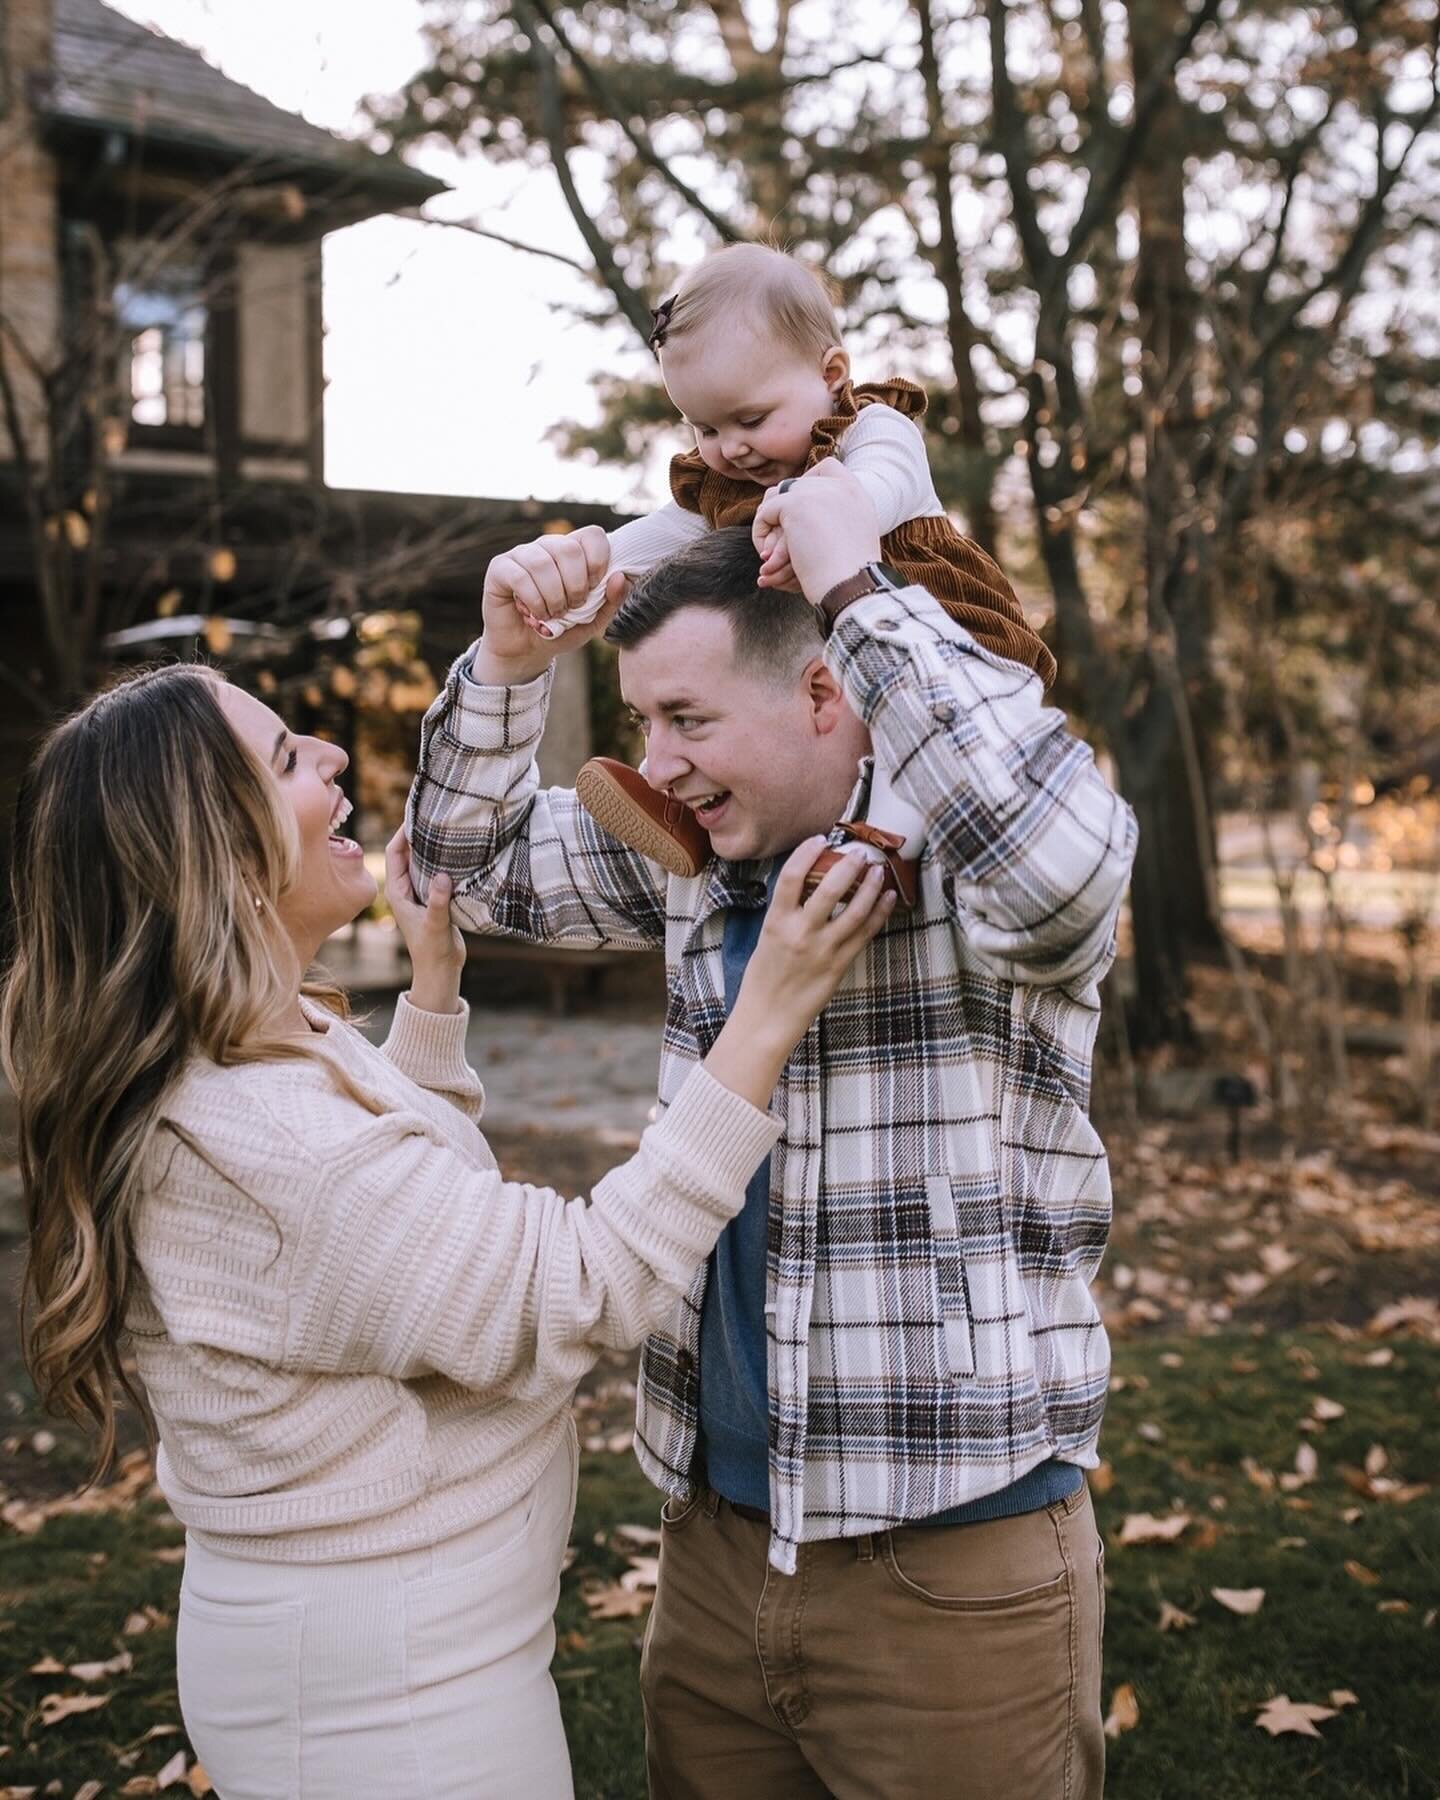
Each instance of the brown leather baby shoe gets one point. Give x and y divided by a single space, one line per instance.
621 800
902 876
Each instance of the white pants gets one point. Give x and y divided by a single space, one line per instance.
425 1674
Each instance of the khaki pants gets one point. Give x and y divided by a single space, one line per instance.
929 1663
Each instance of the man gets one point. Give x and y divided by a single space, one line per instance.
880 1574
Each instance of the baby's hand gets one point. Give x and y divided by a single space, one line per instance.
775 567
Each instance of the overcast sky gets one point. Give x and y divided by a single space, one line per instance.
445 362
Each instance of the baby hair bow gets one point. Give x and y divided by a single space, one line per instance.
661 317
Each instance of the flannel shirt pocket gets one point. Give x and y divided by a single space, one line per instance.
984 1315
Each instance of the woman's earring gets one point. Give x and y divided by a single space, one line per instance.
259 904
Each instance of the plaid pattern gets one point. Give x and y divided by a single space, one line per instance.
940 1201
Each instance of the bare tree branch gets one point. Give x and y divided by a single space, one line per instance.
552 118
510 243
636 135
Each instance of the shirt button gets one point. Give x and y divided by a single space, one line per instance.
887 624
945 715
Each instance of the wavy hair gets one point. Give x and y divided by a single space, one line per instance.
150 848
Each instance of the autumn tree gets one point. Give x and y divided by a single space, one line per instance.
1143 247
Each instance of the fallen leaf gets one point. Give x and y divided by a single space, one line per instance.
1358 1572
1282 1715
1257 1476
198 1781
1101 1478
96 1671
1247 1283
642 1535
139 1787
1172 1618
159 1731
644 1572
1376 1460
1275 1259
174 1554
617 1602
1124 1714
1343 1697
1205 1536
56 1707
47 1665
89 1790
173 1771
1379 1359
1393 1606
1151 1432
1413 1310
1307 1467
1145 1528
43 1442
1325 1409
1244 1601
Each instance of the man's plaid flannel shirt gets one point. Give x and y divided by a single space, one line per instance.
939 1200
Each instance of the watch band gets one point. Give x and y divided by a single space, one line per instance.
870 578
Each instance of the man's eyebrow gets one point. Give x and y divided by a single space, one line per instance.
279 744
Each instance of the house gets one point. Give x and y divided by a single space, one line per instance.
161 386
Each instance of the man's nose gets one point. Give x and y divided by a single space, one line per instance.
662 767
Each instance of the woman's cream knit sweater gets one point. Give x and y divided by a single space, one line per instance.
355 1336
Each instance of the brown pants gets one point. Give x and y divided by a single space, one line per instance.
952 1662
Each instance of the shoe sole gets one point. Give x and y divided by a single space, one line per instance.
612 808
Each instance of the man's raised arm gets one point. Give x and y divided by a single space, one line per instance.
1036 844
524 860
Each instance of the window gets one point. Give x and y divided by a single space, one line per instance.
162 320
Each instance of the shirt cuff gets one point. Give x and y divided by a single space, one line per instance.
489 718
714 1129
430 1047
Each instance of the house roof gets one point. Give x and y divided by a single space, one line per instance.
113 75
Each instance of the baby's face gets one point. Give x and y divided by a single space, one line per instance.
751 403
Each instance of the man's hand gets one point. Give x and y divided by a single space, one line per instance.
542 580
828 524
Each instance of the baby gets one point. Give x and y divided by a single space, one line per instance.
750 354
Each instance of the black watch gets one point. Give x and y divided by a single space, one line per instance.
870 578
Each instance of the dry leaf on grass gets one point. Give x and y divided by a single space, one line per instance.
1101 1478
139 1787
1244 1601
47 1665
89 1790
1172 1618
1358 1572
1145 1528
173 1771
1328 1410
146 1619
1343 1697
644 1572
1124 1714
1283 1715
97 1671
617 1602
198 1781
159 1731
1307 1467
56 1707
1393 1606
174 1554
643 1536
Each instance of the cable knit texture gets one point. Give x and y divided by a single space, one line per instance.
356 1337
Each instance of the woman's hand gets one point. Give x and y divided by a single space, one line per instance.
802 955
437 950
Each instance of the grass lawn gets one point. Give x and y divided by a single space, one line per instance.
1349 1603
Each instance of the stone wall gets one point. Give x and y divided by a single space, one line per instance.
29 225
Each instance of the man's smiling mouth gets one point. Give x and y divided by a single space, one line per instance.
707 806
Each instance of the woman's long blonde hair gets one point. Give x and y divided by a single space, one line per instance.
145 834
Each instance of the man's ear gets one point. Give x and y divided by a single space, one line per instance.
824 697
835 367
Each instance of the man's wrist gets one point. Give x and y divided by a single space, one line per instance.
489 670
827 572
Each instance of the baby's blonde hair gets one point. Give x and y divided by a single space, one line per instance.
781 297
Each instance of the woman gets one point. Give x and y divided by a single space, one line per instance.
358 1343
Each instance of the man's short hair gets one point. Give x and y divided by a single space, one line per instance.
776 633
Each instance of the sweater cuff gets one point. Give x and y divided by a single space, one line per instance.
722 1136
430 1047
496 718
